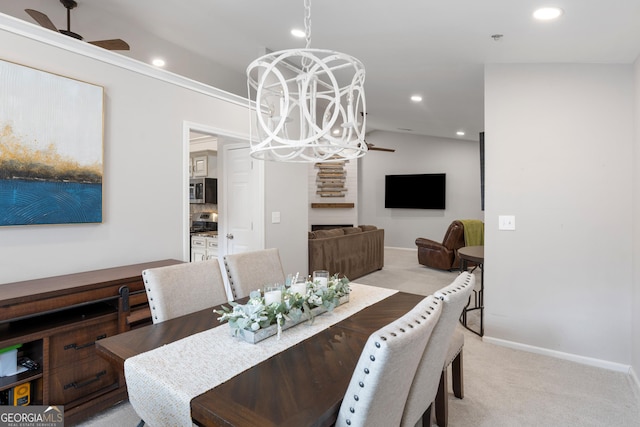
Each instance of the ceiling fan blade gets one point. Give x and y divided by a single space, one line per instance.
41 19
113 44
372 147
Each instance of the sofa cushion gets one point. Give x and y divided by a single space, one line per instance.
334 232
367 227
351 230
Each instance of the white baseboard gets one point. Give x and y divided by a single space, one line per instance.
634 379
599 363
404 249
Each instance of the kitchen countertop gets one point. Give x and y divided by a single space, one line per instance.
205 234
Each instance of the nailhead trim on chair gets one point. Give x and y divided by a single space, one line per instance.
373 358
231 284
457 291
149 297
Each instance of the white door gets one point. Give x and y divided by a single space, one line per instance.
244 202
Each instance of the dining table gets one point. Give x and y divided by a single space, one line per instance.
192 370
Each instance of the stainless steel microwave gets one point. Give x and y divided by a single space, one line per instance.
203 190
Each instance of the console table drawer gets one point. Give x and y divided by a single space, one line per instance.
71 347
78 380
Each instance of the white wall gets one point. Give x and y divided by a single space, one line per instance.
144 187
559 157
286 187
459 159
635 327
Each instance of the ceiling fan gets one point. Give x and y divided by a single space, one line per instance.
372 147
44 21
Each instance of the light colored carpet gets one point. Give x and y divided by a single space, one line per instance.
502 386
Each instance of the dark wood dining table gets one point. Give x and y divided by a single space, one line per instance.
303 385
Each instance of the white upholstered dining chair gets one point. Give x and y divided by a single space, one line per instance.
453 359
252 270
180 289
382 378
434 362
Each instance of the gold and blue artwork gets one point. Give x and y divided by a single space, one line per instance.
51 148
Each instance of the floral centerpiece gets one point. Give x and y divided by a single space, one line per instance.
295 306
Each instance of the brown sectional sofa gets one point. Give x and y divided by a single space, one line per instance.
348 251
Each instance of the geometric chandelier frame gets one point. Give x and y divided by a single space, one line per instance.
309 106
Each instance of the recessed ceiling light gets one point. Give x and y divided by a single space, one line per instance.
460 133
416 98
298 33
158 62
547 13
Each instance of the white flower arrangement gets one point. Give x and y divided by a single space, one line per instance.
255 314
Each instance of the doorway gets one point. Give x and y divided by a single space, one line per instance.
240 202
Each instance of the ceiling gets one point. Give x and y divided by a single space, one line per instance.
436 49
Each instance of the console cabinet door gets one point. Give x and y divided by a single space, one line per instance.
76 369
71 347
81 379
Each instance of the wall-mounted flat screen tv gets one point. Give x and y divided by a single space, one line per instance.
418 191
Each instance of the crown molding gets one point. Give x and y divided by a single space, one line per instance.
45 36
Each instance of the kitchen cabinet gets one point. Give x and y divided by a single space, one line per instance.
203 164
198 248
57 321
204 247
199 166
212 247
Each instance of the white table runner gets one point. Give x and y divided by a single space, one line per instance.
162 382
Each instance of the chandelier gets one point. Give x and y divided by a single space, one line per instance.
307 104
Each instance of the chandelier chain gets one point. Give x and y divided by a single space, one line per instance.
307 22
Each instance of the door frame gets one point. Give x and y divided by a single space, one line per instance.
225 137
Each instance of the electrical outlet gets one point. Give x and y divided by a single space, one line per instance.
506 222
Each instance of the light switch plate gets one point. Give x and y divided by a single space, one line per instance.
275 217
506 222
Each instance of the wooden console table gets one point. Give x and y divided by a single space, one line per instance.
57 321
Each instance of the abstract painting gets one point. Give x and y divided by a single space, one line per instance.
51 148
